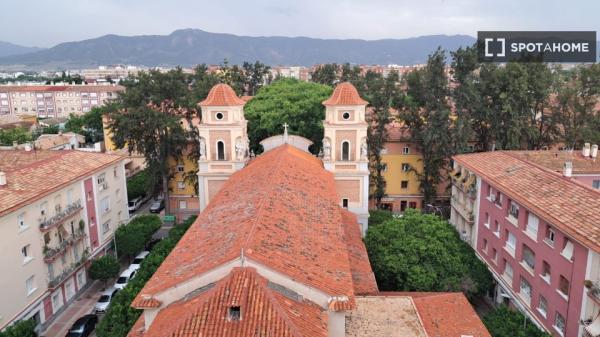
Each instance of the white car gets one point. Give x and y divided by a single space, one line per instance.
135 265
135 203
124 278
105 299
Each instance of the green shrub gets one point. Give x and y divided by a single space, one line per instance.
24 328
503 322
132 237
377 217
120 316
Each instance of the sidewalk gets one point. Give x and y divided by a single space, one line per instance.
83 305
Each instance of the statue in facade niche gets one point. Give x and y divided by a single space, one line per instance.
326 149
202 149
364 150
240 149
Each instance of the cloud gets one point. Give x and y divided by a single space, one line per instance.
45 23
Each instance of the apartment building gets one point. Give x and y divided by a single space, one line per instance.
538 231
54 100
58 209
102 73
403 160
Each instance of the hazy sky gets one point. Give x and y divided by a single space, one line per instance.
45 23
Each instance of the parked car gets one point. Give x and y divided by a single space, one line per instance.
157 206
135 265
134 204
83 326
105 299
124 278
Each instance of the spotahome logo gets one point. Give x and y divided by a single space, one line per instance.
537 46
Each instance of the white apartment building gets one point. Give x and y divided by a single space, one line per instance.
54 100
58 209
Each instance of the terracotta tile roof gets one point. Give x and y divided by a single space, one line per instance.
288 220
49 141
562 202
222 95
264 311
345 94
33 174
363 277
398 132
147 303
554 160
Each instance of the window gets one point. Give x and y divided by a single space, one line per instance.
546 272
182 204
532 224
496 228
345 150
219 116
105 227
514 210
21 221
412 204
494 254
181 185
563 286
220 150
180 168
105 205
30 285
346 115
44 208
559 324
543 306
549 238
115 172
102 182
235 313
345 202
26 252
406 150
405 167
529 258
525 289
511 242
383 167
567 251
403 204
404 184
596 184
485 246
487 220
508 270
57 300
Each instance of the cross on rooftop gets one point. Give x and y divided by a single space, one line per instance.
285 132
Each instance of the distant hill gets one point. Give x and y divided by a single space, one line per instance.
192 46
8 49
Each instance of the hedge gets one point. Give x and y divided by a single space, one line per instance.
120 316
132 237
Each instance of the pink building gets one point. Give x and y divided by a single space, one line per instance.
538 231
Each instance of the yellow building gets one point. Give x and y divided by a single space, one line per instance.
402 158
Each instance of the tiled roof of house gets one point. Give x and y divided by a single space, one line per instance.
362 274
49 141
345 94
448 315
31 175
554 160
264 311
560 201
288 220
222 95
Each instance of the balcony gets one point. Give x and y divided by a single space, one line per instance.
593 289
62 215
461 209
51 254
55 281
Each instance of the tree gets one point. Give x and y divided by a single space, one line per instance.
255 76
90 123
131 238
25 328
352 74
426 112
503 322
104 268
423 252
325 74
139 185
18 134
290 101
379 216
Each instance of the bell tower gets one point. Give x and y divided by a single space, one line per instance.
223 140
345 149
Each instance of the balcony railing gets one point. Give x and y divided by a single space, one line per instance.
62 215
56 280
593 288
51 253
464 212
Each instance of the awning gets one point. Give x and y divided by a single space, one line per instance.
594 328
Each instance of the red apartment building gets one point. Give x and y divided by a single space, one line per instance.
538 231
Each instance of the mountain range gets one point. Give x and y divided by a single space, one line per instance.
9 49
188 47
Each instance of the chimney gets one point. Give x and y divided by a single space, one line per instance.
2 178
594 152
568 169
586 150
